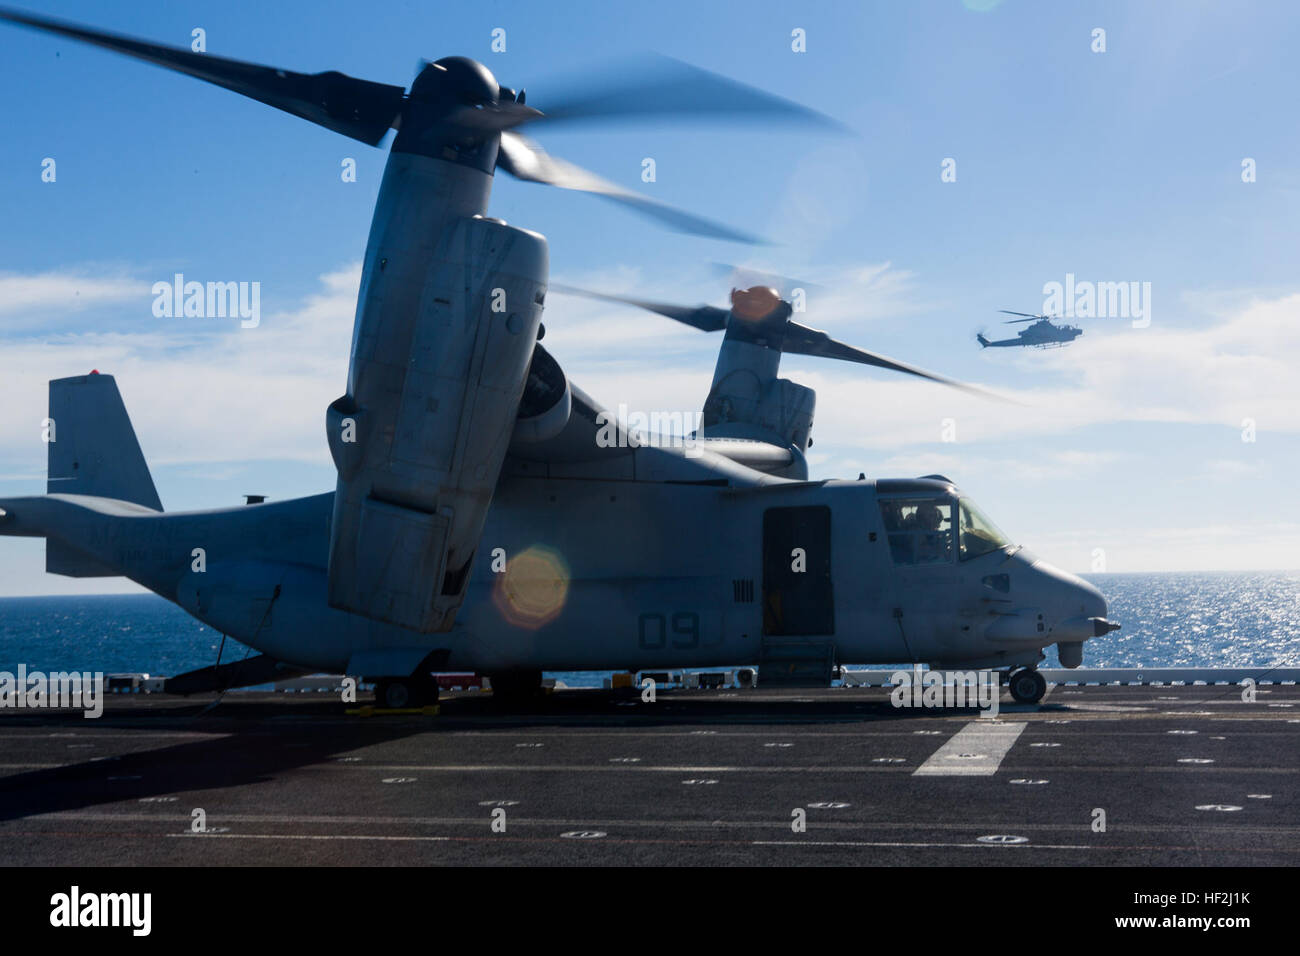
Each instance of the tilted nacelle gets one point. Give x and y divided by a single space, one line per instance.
420 441
741 406
746 399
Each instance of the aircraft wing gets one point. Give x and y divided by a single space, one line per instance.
582 434
591 443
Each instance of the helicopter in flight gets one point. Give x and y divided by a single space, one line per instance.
488 514
1043 334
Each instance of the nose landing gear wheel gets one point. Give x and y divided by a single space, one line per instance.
1027 685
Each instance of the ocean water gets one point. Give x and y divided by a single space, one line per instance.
1204 619
1199 619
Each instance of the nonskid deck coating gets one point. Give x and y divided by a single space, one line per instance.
1187 775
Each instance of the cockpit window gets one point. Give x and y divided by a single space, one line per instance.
919 529
978 535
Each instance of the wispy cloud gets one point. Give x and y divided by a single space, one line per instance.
63 291
260 394
199 395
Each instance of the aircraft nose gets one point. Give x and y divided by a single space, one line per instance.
1069 595
1092 603
1076 609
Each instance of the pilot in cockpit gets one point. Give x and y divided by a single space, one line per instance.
933 545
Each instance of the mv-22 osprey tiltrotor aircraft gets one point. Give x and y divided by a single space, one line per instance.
488 515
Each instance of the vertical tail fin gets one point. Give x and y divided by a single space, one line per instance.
979 337
93 448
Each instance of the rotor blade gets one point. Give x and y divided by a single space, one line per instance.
662 86
357 108
524 159
706 318
1019 321
1009 312
744 276
801 340
494 116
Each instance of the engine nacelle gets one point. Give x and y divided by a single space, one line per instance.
741 406
546 403
420 439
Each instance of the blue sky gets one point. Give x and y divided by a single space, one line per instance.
1117 166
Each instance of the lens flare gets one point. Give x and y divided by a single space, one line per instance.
532 590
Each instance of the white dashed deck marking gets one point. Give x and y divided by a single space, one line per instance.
974 751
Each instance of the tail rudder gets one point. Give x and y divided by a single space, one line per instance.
92 446
979 337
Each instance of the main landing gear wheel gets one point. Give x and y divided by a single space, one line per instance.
397 693
1027 685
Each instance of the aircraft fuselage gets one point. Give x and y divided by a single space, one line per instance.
605 575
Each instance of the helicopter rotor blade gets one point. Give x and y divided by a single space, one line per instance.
744 277
706 318
660 86
802 340
796 339
357 108
366 111
526 160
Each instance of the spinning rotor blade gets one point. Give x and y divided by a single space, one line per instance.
658 86
796 339
706 318
1028 317
504 115
366 111
357 108
801 340
743 277
524 159
662 86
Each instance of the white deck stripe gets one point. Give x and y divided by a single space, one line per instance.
974 751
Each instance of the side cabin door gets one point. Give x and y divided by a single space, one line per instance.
798 597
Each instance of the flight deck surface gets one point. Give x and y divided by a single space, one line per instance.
1185 775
